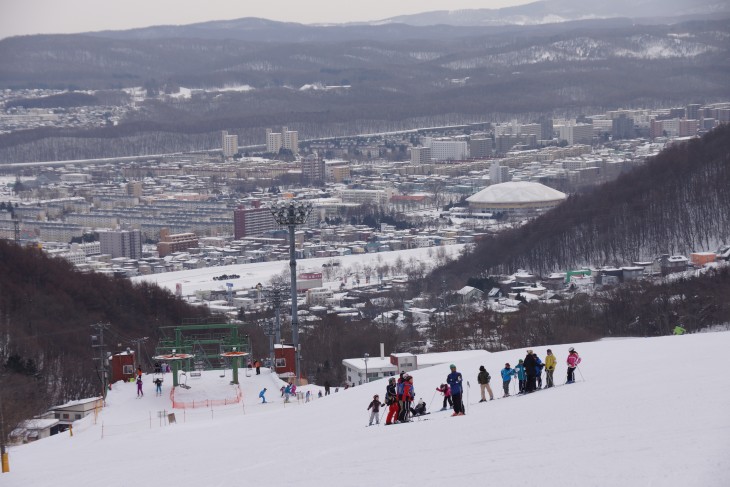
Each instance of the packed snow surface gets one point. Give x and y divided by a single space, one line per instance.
644 412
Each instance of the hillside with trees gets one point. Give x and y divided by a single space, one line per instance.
46 312
678 202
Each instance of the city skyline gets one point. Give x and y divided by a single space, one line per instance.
29 17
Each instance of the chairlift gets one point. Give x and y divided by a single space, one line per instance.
183 380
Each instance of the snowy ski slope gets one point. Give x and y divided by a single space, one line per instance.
651 412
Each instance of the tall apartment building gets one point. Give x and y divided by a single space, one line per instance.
546 128
688 127
622 127
420 155
252 222
692 111
313 169
481 147
447 150
229 144
286 139
121 243
499 174
175 243
579 133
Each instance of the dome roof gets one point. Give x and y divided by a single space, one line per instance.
516 192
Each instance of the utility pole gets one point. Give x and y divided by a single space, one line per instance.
3 454
276 301
16 230
138 355
97 341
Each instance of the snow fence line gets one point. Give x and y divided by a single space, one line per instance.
206 403
164 418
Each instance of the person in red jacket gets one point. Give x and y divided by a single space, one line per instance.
573 361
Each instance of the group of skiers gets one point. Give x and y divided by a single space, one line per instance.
529 371
400 393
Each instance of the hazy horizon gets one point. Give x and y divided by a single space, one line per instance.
29 17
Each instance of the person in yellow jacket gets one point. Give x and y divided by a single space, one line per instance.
550 363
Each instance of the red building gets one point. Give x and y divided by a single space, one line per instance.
122 365
285 357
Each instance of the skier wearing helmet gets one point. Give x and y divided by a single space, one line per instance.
573 361
391 400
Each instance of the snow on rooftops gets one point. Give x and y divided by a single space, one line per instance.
78 402
437 358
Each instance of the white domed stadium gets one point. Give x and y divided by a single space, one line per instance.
517 198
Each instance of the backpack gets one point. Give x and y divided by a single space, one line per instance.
400 388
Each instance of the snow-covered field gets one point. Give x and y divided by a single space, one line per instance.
651 412
262 272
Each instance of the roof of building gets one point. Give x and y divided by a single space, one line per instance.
516 192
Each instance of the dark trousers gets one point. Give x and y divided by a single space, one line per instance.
571 371
531 383
505 386
258 370
458 405
522 383
447 399
404 410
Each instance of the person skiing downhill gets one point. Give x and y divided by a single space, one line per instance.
375 413
550 363
158 386
483 379
507 374
391 399
573 361
446 391
263 396
454 380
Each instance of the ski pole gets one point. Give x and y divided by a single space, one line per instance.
581 373
432 398
468 388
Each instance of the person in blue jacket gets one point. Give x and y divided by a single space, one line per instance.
507 374
538 370
521 376
262 395
454 381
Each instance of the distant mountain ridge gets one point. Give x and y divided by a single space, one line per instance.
551 11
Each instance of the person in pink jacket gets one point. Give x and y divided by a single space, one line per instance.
573 361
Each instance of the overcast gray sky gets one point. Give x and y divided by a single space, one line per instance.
19 17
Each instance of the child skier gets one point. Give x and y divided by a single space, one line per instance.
507 374
446 391
158 384
550 363
521 376
375 413
263 396
573 361
139 387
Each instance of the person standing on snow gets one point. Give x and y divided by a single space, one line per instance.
507 374
391 399
530 366
407 394
446 391
262 396
483 379
521 376
538 370
573 361
550 363
375 413
139 387
454 380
